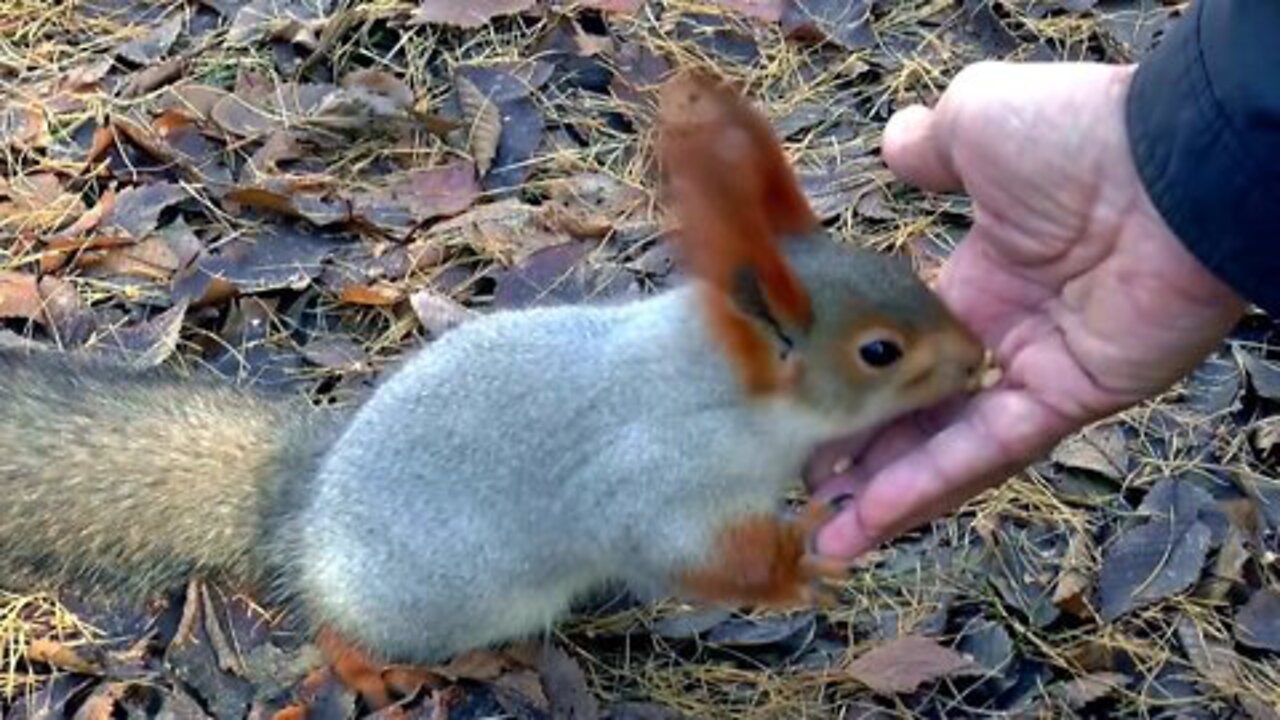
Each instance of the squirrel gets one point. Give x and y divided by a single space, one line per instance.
521 459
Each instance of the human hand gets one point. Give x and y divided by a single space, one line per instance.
1068 274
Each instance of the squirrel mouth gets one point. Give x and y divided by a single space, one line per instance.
839 457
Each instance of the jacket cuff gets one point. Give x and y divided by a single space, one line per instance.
1203 118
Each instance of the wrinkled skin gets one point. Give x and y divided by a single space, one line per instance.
1069 275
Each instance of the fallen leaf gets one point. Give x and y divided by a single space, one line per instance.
153 76
471 14
335 352
480 665
1076 577
846 23
146 344
1081 691
22 127
438 312
831 191
988 644
136 210
385 93
767 10
508 230
1264 376
372 295
1214 660
749 632
565 685
589 205
484 120
20 296
441 191
302 199
37 203
282 258
1099 449
903 665
1258 622
62 656
623 7
293 21
560 274
1149 563
152 46
193 660
1227 571
641 711
690 624
1214 386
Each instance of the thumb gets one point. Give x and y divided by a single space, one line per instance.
914 150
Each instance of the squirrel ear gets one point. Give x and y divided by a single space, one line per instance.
734 195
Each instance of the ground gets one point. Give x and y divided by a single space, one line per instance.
293 193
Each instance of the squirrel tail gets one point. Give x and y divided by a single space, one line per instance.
114 479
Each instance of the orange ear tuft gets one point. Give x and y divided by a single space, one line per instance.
734 194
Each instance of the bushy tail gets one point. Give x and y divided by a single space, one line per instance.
112 478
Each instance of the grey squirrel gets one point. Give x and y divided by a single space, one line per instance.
523 458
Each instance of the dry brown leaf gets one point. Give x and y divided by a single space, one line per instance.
1100 449
438 312
152 258
20 296
37 203
153 76
61 301
470 14
1083 690
137 209
526 685
1228 567
1258 622
508 230
385 93
767 10
565 685
379 295
1214 660
153 45
294 21
1071 590
479 665
903 665
295 198
590 204
62 656
440 191
624 7
22 127
485 121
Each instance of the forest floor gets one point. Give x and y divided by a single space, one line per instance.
293 193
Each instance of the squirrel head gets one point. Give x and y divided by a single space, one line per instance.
853 334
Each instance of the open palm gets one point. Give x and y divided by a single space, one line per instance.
1068 274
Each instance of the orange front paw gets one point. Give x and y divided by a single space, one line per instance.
765 560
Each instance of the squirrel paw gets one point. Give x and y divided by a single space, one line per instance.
767 561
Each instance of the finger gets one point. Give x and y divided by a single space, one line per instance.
996 432
914 149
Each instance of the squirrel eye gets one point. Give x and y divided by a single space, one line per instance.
879 353
879 350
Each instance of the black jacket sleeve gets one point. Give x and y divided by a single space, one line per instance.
1203 117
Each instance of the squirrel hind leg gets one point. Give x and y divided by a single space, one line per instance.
767 561
376 683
